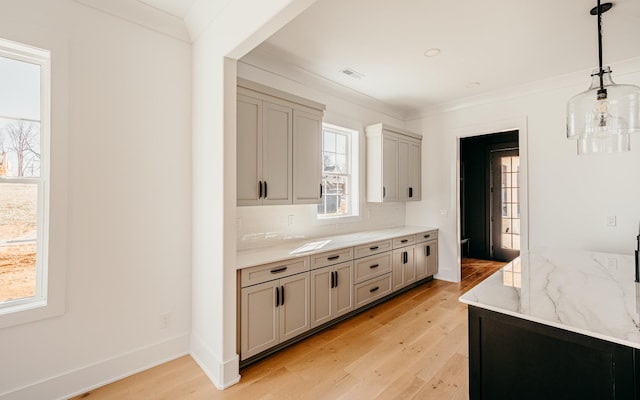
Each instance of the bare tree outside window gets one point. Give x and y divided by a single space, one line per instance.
22 143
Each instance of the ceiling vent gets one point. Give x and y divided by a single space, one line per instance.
352 73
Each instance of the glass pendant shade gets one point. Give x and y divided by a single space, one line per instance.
603 123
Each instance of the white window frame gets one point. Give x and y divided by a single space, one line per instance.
354 177
40 305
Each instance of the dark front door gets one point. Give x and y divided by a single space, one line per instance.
505 204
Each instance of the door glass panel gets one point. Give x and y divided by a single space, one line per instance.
510 206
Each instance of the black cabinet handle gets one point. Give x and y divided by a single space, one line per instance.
336 272
321 190
404 240
373 248
373 289
333 280
428 251
333 257
427 236
277 296
265 189
384 192
275 271
410 192
282 295
259 189
374 266
405 257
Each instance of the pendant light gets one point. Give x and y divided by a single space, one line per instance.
603 117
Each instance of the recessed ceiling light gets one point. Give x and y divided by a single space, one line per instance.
432 52
472 85
352 73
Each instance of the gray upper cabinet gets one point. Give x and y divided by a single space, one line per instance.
393 164
279 138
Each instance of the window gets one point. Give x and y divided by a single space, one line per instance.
24 189
339 173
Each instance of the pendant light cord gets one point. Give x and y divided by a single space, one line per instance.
602 93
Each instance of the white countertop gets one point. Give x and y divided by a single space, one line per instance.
585 292
301 248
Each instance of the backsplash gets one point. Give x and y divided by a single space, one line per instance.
264 226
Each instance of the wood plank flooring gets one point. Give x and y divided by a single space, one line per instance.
411 347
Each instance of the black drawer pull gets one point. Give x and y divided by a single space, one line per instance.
336 279
282 295
277 296
333 280
404 240
427 236
260 189
275 271
374 266
373 248
428 251
265 189
333 257
373 289
410 192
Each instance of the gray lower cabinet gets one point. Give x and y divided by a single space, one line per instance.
426 256
404 267
331 292
273 312
285 299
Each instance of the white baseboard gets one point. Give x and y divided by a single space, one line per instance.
222 374
101 373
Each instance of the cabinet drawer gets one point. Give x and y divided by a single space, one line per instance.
331 257
368 267
267 272
404 241
371 290
425 236
372 248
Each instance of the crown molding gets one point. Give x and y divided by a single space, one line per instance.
142 14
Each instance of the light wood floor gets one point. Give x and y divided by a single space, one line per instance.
413 346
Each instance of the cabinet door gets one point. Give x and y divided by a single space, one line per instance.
321 296
414 171
389 168
259 319
397 273
277 148
409 270
294 309
343 289
421 260
249 150
307 157
403 170
432 257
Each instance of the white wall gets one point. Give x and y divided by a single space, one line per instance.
123 170
569 196
260 226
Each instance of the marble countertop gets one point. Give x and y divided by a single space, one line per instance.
302 248
585 292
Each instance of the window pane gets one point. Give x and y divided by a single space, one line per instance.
18 235
341 164
341 144
329 162
329 141
19 148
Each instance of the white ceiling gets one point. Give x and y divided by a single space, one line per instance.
497 43
178 8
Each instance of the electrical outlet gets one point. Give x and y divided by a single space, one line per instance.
611 220
291 220
612 263
165 320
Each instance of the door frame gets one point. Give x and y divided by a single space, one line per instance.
512 124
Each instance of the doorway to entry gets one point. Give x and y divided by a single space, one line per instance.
490 197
